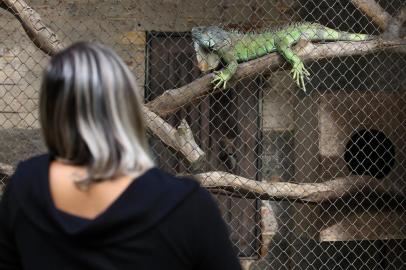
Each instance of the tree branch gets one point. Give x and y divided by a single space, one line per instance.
180 139
41 35
171 100
391 25
374 11
308 192
394 29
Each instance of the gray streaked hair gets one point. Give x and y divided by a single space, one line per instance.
90 113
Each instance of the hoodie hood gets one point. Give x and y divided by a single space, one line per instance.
146 201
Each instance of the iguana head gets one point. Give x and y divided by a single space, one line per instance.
207 40
211 37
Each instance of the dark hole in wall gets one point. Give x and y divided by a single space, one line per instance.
370 152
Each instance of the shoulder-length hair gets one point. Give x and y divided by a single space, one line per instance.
90 113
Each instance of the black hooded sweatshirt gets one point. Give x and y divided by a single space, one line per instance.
159 222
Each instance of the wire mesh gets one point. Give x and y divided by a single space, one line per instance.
305 180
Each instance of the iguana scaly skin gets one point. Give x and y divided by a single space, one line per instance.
214 44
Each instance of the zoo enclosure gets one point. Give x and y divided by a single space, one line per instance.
304 180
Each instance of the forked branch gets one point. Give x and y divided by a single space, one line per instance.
180 139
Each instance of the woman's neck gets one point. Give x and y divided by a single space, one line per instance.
89 202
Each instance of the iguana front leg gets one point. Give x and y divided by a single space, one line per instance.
223 76
298 69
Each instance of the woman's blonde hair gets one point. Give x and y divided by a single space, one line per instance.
90 113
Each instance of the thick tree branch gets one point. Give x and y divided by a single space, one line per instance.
374 11
306 192
171 100
41 35
395 27
391 25
309 192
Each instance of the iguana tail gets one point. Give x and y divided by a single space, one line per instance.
314 31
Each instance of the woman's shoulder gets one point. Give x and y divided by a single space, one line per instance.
198 196
27 174
32 164
200 200
164 178
20 183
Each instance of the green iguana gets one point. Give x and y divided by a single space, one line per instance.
214 44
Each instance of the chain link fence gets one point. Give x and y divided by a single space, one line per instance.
311 179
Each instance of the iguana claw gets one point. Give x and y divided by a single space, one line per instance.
299 73
220 78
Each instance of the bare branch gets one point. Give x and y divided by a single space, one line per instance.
180 139
391 25
171 100
42 36
374 11
309 192
251 189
